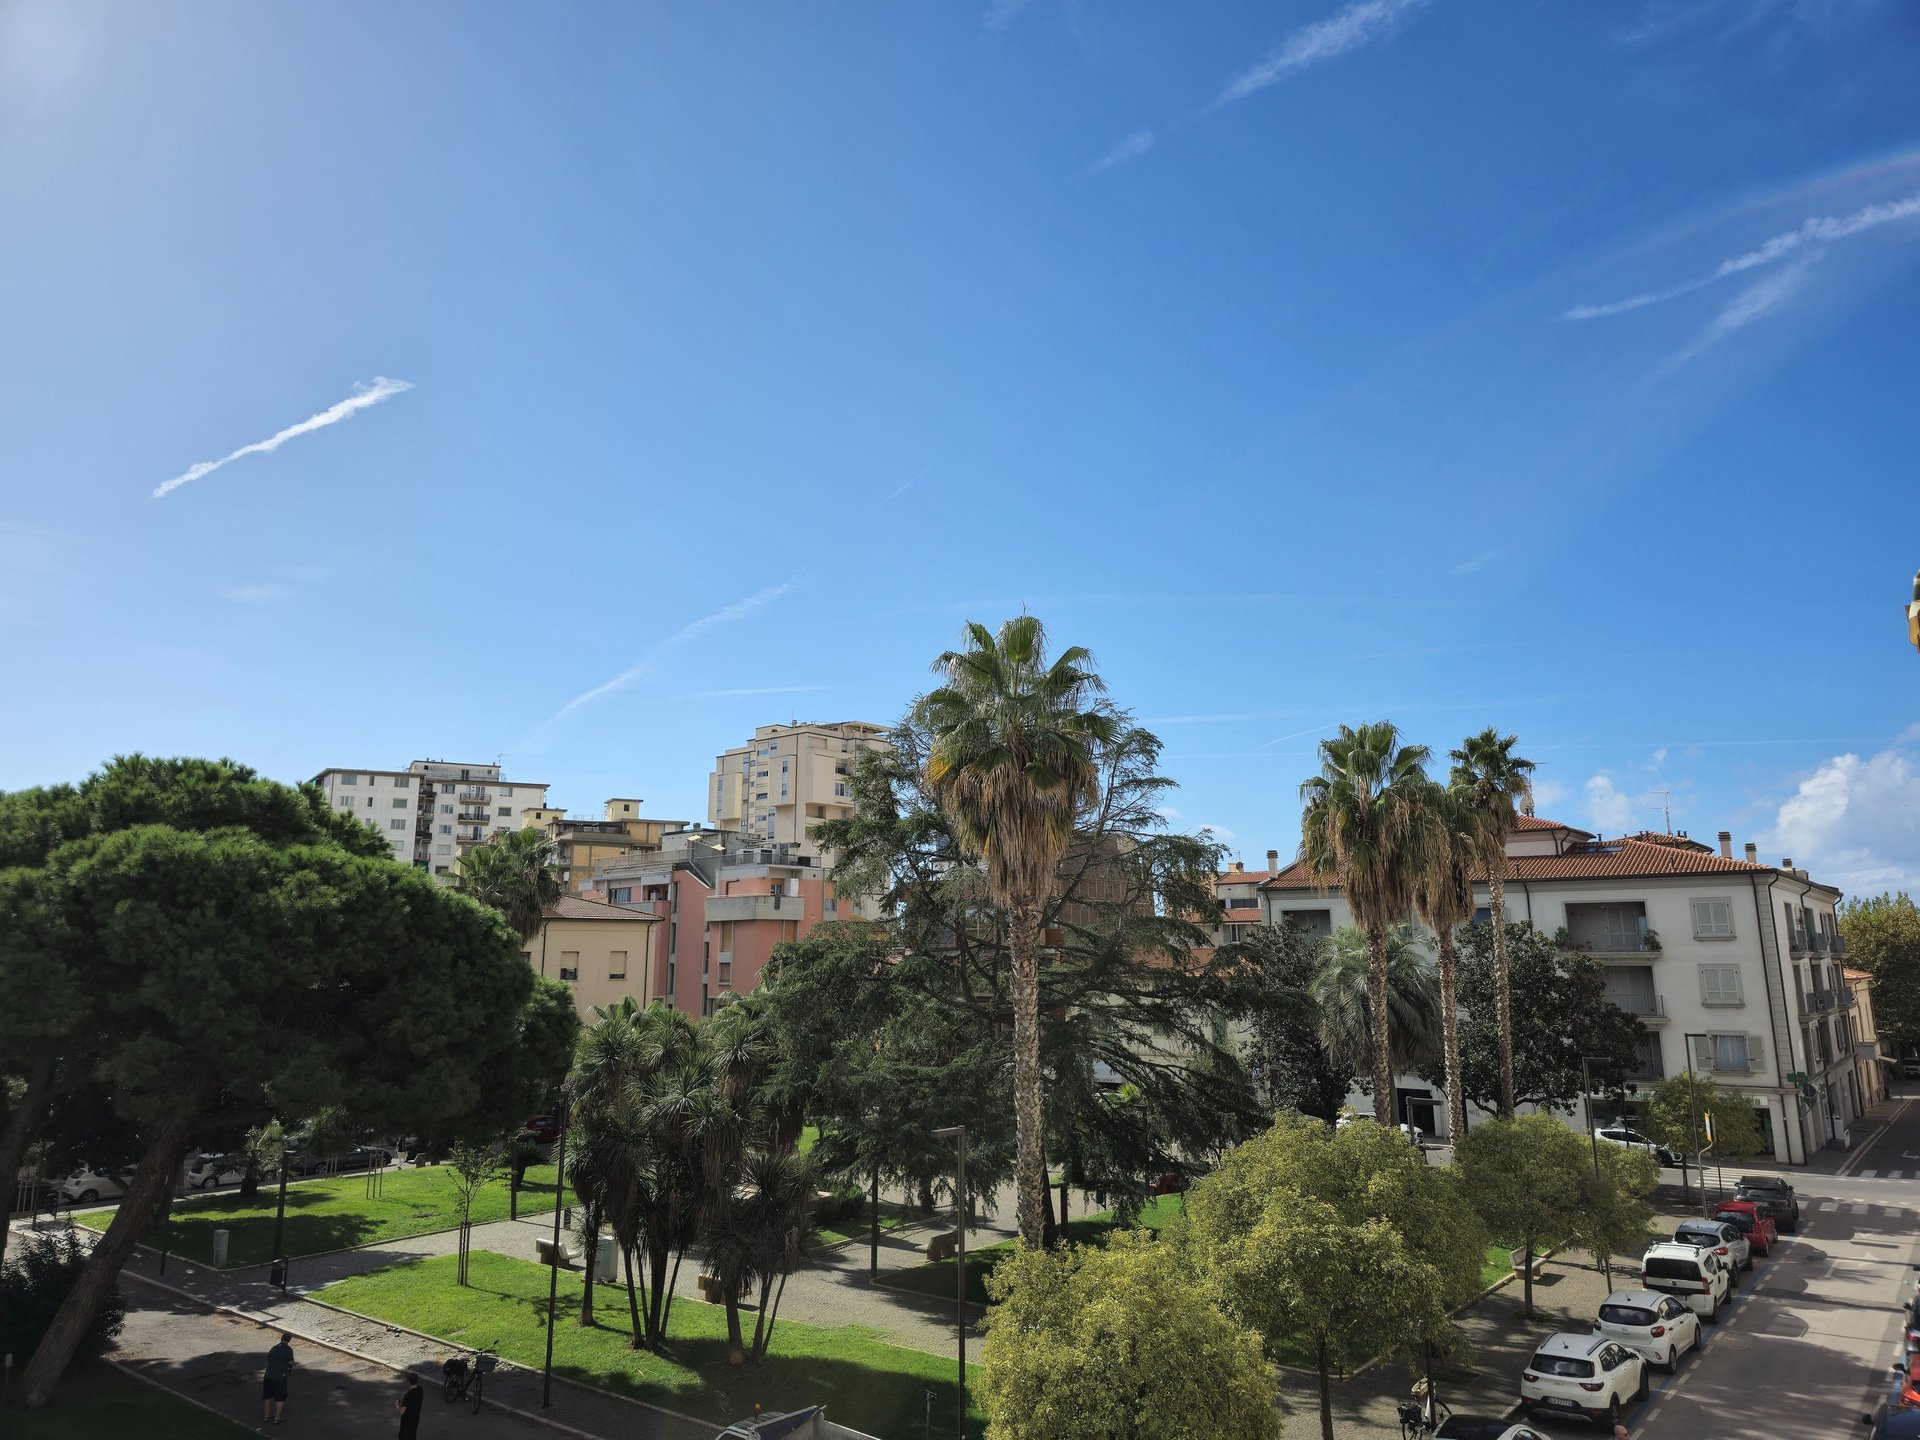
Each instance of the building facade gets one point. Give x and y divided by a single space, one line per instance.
1733 967
434 811
787 779
579 845
601 952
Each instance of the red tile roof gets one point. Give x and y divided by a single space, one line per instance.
1243 877
577 907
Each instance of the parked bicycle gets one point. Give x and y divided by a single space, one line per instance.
1422 1415
461 1377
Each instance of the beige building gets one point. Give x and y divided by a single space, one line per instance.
787 779
434 811
601 951
579 845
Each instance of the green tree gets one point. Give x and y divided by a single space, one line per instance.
470 1169
1883 939
1523 1177
1610 1214
261 1154
1344 1005
1492 782
1443 899
1676 1111
1342 1243
1014 760
1558 1012
522 1154
1365 827
516 873
1117 1343
238 940
1293 1068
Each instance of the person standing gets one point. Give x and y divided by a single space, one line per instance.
409 1407
273 1389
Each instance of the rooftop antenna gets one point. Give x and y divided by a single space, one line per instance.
1666 814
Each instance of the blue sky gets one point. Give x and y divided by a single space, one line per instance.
689 367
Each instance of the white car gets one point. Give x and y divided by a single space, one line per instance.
213 1170
1692 1275
1660 1327
1587 1375
1468 1427
87 1184
1634 1140
1724 1239
1347 1117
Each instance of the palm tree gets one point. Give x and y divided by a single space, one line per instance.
1014 759
1344 1008
1492 781
1443 899
514 873
1364 828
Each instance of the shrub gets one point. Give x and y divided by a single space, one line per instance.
32 1285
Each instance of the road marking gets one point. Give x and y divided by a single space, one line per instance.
1826 1205
1879 1135
1868 1174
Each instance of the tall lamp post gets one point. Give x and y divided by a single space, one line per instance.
1586 1091
553 1275
279 1267
958 1134
1693 1120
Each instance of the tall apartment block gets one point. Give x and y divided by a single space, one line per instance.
581 844
433 811
787 779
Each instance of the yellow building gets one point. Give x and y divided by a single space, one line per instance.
601 951
582 844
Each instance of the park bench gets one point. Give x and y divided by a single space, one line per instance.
1517 1260
546 1250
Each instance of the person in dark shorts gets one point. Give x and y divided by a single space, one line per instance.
273 1389
409 1407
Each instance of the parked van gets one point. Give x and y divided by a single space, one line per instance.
1696 1276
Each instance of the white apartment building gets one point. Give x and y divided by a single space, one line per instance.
434 811
787 779
1730 964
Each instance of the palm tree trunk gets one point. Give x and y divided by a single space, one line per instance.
760 1320
1030 1166
736 1345
773 1316
590 1246
656 1318
1502 1001
1382 1038
673 1288
22 1121
633 1300
1450 1037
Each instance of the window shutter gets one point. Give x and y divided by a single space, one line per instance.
1756 1051
1702 1052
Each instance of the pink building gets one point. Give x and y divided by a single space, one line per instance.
726 904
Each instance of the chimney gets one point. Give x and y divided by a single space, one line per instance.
1238 867
1726 844
1753 853
1273 862
1786 862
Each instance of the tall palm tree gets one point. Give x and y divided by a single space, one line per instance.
515 873
1492 781
1343 1004
1014 759
1364 828
1443 899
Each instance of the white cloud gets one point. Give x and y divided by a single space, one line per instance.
1219 832
647 665
1479 562
1548 795
1138 143
362 397
1609 807
1359 24
1657 758
253 594
1854 823
1756 302
1816 229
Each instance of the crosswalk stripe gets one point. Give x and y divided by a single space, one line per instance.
1868 1174
1896 1175
1826 1205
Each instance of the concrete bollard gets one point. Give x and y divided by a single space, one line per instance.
606 1261
220 1238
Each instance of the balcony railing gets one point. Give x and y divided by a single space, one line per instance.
1839 943
473 817
1841 997
1798 942
1647 1007
1817 942
755 907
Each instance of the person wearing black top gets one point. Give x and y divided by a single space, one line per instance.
409 1407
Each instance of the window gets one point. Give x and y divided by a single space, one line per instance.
349 779
1720 985
439 869
399 782
369 802
726 975
761 796
446 829
506 789
346 802
621 895
569 964
400 802
617 965
504 811
831 906
446 809
1734 1053
842 790
443 849
1713 919
396 824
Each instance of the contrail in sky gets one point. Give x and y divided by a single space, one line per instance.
362 397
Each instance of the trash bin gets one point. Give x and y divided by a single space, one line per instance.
220 1238
606 1261
277 1277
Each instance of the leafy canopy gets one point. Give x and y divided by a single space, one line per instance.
1883 939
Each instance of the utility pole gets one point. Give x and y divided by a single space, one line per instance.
958 1134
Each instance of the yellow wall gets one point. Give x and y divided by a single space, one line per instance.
593 947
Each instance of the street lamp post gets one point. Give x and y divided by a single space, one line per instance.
1586 1091
280 1220
553 1275
958 1134
1693 1120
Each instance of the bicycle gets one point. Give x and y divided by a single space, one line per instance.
459 1378
1422 1415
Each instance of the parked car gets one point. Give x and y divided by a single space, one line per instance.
1588 1375
1473 1427
1910 1068
1347 1117
1775 1198
1634 1140
544 1128
1910 1326
1724 1239
211 1170
1762 1234
1894 1423
1695 1276
88 1184
1659 1327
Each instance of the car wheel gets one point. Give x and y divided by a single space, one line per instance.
1613 1411
1641 1393
1712 1317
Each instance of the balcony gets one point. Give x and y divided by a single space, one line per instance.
1798 942
755 907
1611 929
473 817
1649 1009
473 797
1839 943
1817 943
1822 1002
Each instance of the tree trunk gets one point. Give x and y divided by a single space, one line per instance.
873 1240
1450 1037
1030 1166
22 1121
1526 1282
736 1346
1063 1202
1049 1228
1502 1000
760 1320
773 1316
151 1181
656 1317
926 1197
673 1289
633 1301
513 1197
590 1245
1382 1038
1326 1395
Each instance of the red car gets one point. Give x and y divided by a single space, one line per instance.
1762 1234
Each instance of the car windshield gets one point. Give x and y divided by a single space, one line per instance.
1563 1365
1739 1219
1671 1267
1699 1235
1625 1315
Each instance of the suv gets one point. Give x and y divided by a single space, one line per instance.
1722 1237
1588 1375
212 1170
1660 1327
88 1184
1775 1198
1634 1140
1695 1276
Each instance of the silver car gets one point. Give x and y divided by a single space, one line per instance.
1727 1241
1660 1327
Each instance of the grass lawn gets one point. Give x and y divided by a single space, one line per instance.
332 1214
936 1277
857 1227
96 1400
863 1381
